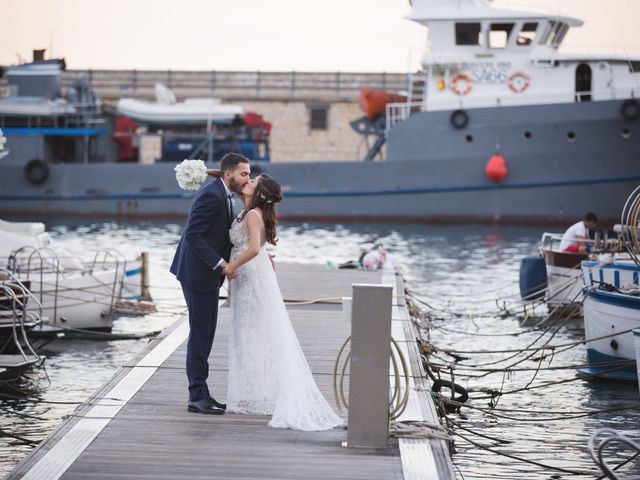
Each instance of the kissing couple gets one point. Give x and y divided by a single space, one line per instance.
268 373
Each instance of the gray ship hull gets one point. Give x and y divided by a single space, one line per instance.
575 158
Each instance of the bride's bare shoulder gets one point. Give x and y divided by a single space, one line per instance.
257 211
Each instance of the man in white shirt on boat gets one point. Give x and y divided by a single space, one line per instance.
574 239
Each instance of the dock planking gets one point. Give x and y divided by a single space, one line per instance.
151 434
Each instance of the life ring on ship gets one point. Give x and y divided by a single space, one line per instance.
630 109
36 171
461 84
518 82
459 119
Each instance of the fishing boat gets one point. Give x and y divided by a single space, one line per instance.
564 277
612 302
499 125
558 277
609 354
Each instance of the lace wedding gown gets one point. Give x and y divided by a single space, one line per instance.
268 373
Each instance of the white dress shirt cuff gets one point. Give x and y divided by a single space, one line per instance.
219 263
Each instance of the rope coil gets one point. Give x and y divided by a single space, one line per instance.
399 398
630 221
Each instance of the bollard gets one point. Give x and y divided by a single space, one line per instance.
368 424
144 277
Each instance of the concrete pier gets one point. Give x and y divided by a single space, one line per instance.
137 425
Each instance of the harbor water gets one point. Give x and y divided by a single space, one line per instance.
456 272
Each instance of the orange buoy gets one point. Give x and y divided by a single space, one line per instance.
496 168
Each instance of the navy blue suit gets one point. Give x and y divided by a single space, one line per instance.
204 242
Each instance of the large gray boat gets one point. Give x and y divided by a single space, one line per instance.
498 126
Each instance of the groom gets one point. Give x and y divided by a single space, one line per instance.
201 256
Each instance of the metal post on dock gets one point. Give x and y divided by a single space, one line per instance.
368 424
144 276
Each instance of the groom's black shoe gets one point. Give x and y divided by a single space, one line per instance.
204 406
213 402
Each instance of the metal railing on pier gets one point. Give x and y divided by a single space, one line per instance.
113 84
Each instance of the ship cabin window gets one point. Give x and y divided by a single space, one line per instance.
554 34
527 34
558 35
469 33
547 33
499 34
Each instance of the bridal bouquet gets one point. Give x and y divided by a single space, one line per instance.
191 174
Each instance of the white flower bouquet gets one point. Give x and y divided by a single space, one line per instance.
191 174
3 140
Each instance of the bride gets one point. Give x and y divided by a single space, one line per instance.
268 373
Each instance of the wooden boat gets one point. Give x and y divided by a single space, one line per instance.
612 304
564 278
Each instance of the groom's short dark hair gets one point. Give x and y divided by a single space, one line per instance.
231 161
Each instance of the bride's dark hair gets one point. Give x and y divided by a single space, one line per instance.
265 197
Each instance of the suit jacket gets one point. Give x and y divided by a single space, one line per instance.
205 240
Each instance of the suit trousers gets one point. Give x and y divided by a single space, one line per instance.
203 318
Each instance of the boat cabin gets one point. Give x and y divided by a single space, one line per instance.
480 56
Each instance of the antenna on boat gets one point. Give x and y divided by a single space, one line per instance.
632 69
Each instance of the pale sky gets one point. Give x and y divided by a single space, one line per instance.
282 35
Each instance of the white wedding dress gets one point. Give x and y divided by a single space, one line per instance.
268 373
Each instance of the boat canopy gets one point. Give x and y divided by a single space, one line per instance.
425 11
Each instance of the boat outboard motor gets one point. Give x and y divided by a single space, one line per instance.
533 278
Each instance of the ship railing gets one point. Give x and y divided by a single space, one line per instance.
398 112
39 261
600 243
325 86
15 296
111 258
9 277
85 115
550 241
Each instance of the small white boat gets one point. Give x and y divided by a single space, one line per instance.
81 298
15 235
34 106
167 110
73 294
607 312
564 278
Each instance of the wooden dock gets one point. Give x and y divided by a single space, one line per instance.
137 425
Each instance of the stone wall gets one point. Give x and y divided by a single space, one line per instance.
293 139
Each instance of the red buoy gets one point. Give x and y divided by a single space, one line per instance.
496 168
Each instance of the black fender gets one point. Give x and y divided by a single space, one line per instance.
630 109
459 119
36 171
